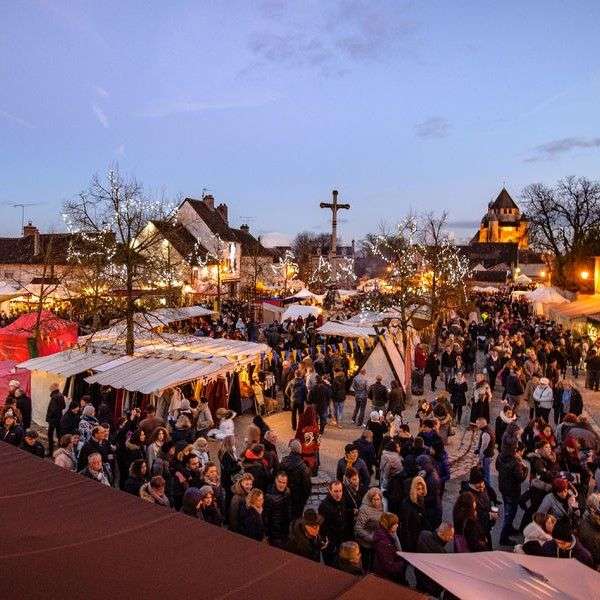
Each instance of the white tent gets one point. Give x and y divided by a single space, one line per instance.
546 295
478 575
386 360
305 294
293 311
7 291
522 278
346 329
159 362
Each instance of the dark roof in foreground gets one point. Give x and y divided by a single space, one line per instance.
65 536
251 246
53 247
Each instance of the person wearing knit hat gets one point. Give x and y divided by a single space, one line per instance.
560 502
191 501
565 545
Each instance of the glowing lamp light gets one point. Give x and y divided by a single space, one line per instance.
585 275
542 273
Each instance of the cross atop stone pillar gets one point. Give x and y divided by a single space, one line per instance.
334 206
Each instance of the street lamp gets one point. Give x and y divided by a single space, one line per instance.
585 275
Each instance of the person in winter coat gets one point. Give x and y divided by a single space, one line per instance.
10 431
138 471
366 451
387 562
349 559
457 386
230 465
511 474
469 536
378 426
240 489
64 457
536 534
413 517
360 387
251 518
335 521
305 539
390 464
53 415
503 420
98 442
543 398
567 399
432 368
378 394
210 476
492 367
486 500
367 520
277 513
338 389
69 422
308 433
396 398
482 396
561 502
23 402
565 545
157 438
299 480
589 529
154 492
253 462
433 498
433 542
135 449
352 459
32 444
86 424
297 392
198 503
511 437
96 469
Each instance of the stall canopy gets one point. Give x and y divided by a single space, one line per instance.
473 576
7 291
305 294
106 540
546 295
17 340
159 362
575 310
293 311
346 329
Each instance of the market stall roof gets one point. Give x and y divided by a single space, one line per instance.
7 291
472 576
304 294
107 535
546 295
346 329
159 361
293 311
156 318
588 305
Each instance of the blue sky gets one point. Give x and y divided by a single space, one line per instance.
270 105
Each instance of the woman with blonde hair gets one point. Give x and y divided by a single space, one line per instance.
239 492
412 515
367 521
201 451
252 523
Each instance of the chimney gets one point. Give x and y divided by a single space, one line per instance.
222 210
245 228
30 230
209 201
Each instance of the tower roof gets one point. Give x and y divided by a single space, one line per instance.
504 200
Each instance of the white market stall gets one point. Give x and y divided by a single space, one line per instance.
294 311
305 294
159 362
542 297
473 576
346 329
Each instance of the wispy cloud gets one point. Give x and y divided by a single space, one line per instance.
553 149
16 120
120 150
100 91
433 128
100 115
164 108
329 37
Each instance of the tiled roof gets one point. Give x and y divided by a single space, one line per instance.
250 245
504 200
490 254
181 239
53 247
213 220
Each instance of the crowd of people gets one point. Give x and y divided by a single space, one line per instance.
387 493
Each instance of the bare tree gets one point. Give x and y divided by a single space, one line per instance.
306 246
564 220
112 215
286 269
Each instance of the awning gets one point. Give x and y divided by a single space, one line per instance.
477 575
346 329
78 538
293 311
67 363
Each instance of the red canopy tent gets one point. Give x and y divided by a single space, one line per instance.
17 340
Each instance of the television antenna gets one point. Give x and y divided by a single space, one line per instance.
22 206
